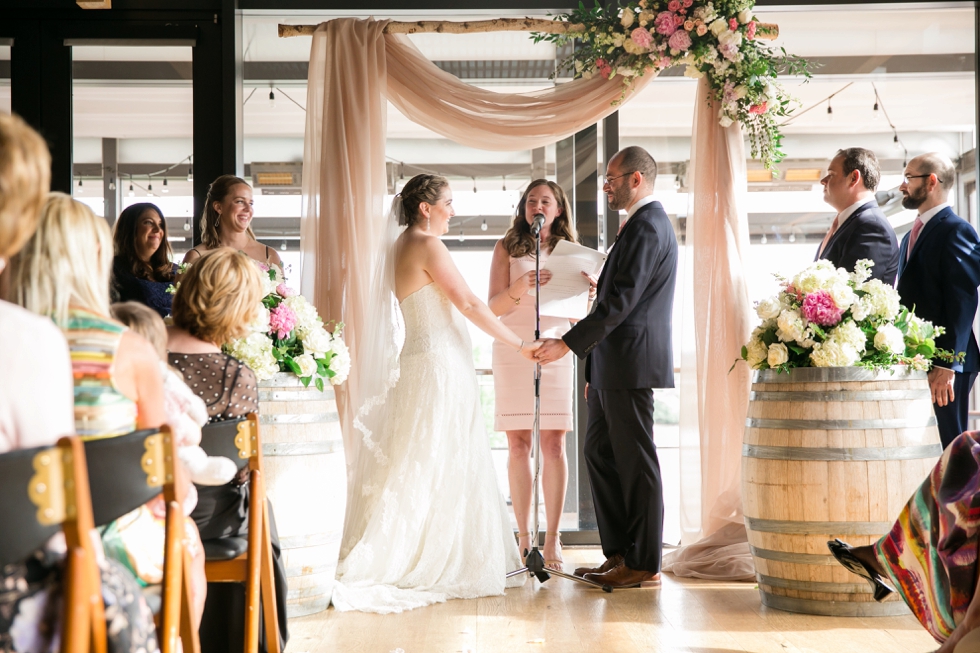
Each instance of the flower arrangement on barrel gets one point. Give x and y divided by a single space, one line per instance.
289 336
827 317
719 39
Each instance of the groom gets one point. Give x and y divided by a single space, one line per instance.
626 343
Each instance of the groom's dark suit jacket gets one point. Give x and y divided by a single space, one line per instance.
627 338
865 234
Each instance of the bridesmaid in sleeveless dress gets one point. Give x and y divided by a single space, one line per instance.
511 285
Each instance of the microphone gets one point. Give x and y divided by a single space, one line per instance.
537 224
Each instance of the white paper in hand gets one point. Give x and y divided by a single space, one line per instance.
567 293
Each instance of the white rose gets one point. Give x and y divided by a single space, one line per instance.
890 338
790 325
725 121
730 38
627 18
745 16
778 354
756 353
340 363
718 26
625 72
768 309
843 295
316 341
307 365
741 91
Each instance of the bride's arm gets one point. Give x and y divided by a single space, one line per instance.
439 265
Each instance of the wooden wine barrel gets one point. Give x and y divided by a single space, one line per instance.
306 481
828 453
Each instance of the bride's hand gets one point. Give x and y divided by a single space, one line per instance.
529 349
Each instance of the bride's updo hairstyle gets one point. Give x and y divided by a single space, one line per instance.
420 188
518 240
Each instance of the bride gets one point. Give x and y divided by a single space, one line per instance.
425 520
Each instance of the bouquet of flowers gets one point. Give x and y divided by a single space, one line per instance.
289 336
717 39
825 317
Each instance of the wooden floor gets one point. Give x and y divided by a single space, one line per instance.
563 617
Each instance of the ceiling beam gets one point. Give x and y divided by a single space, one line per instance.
94 4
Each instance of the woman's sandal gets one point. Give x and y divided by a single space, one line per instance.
525 551
555 565
842 552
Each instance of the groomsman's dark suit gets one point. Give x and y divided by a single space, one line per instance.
865 234
940 280
626 343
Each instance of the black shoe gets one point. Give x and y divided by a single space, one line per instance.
842 552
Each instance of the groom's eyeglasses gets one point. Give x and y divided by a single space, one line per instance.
609 180
907 177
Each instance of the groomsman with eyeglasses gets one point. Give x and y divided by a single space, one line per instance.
938 275
859 230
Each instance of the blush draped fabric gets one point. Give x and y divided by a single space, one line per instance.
354 69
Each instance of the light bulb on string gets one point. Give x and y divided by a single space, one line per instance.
875 113
483 227
505 184
763 240
474 184
131 193
272 99
461 236
830 112
149 189
190 173
80 189
165 189
792 237
187 225
282 247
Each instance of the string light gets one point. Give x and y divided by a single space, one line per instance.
283 246
505 184
80 189
764 240
461 236
830 111
876 113
272 99
187 225
190 173
483 227
165 189
474 184
131 193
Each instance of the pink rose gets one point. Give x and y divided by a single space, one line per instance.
683 12
282 320
702 29
759 109
600 63
688 3
680 40
733 24
819 308
678 21
285 291
262 266
673 5
642 37
750 31
688 25
605 71
664 23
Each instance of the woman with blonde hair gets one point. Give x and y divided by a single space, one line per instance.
227 220
511 283
218 297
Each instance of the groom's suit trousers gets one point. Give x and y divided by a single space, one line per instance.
625 474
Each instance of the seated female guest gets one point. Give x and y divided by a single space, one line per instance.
218 297
33 352
226 222
511 280
930 554
142 270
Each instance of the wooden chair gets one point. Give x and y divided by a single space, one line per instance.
46 489
233 559
124 473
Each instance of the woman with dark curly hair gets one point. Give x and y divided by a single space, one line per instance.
141 269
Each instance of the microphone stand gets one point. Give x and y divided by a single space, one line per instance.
534 561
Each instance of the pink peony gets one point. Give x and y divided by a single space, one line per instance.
750 31
673 5
733 24
285 291
664 23
282 320
688 3
759 109
641 37
680 40
819 308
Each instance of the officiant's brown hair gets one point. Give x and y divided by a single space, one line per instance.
211 219
518 240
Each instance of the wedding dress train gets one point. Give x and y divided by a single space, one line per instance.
438 527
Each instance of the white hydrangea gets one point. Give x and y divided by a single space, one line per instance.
890 338
818 276
790 326
881 300
833 353
307 319
307 365
316 341
340 363
271 279
768 309
261 322
778 354
255 350
862 271
851 335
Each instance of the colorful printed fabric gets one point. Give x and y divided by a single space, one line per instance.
931 552
101 411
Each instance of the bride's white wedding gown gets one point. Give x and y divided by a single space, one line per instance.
440 528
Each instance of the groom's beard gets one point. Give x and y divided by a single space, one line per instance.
620 198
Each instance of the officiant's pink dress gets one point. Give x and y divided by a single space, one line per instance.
513 375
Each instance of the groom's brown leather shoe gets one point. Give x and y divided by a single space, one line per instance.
610 563
622 577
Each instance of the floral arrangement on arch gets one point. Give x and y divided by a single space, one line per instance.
825 317
289 336
717 39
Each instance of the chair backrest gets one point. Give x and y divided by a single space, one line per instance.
127 471
29 521
231 438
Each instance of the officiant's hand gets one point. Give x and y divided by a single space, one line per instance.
593 284
551 350
528 279
530 349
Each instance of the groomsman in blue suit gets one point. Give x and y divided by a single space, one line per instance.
938 275
860 230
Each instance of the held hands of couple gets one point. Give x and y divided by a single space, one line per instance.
550 349
941 385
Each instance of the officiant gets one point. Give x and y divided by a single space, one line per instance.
859 230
